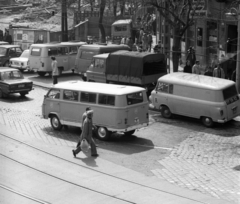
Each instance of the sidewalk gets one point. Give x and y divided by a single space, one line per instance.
118 181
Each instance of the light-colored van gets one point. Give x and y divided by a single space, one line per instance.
86 53
207 98
117 108
65 53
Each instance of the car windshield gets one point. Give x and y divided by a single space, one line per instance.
25 54
11 75
3 51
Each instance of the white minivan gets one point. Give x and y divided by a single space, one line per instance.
207 98
117 108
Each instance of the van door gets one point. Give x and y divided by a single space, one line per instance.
35 58
70 108
63 58
137 109
51 103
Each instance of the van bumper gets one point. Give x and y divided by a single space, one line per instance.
129 128
151 106
222 121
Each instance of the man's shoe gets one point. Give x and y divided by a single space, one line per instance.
74 154
94 155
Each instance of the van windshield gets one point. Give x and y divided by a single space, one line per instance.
134 98
229 92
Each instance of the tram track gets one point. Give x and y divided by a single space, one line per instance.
138 185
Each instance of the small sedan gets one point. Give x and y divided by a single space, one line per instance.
22 62
12 81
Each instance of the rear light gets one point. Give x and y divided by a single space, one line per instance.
13 86
125 121
147 115
28 62
221 112
42 64
22 64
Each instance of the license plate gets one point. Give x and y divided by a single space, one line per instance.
21 86
16 63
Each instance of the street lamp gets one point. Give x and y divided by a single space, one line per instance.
237 12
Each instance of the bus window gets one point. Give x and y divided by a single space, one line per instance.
70 95
73 50
54 93
36 51
52 51
62 51
134 98
106 99
88 97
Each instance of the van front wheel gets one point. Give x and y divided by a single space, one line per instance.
165 111
208 122
55 122
103 133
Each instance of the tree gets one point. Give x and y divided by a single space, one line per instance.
100 23
179 14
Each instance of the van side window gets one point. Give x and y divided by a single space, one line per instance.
73 50
134 98
88 97
171 88
52 51
54 93
70 95
106 99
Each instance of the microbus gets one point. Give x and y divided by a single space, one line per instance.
117 108
65 53
207 98
86 53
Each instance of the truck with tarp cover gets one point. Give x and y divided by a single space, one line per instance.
126 67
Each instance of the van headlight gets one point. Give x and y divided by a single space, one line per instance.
150 98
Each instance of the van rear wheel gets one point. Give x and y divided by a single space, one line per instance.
129 133
208 122
55 122
103 133
41 74
165 111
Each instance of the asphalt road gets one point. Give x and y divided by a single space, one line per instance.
160 150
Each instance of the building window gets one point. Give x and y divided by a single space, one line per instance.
199 37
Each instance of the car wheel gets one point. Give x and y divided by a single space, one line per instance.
129 133
55 122
103 133
165 111
208 122
41 73
6 64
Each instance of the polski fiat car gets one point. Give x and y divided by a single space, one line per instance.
12 81
22 62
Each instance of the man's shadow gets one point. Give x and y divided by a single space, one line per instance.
88 160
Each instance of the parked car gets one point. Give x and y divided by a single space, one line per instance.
7 52
22 62
4 43
12 81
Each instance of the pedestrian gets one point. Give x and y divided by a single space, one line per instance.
233 78
208 71
150 42
141 32
188 67
130 42
214 62
218 72
196 68
157 48
83 118
55 71
123 41
145 42
87 134
191 55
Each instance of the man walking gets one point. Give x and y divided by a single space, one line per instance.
219 72
87 134
196 68
55 71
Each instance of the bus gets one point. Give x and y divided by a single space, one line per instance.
65 53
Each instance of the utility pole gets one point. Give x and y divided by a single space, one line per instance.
64 21
238 53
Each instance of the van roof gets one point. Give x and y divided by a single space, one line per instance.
58 44
97 47
98 87
199 81
122 21
104 56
